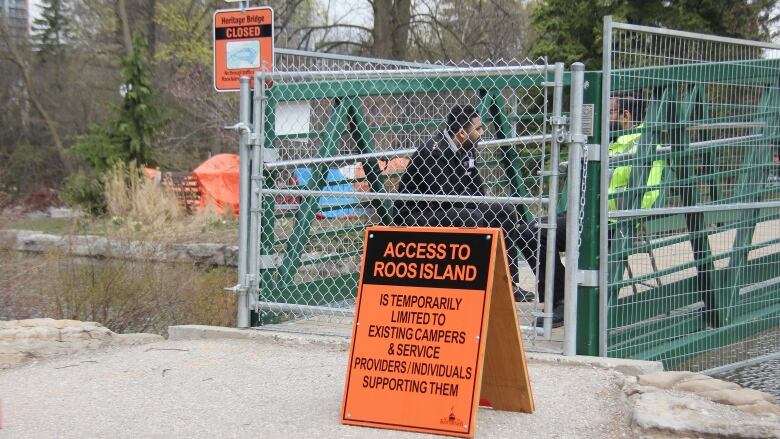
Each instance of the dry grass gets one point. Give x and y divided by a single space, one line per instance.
139 209
131 195
125 296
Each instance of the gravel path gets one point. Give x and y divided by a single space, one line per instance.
241 388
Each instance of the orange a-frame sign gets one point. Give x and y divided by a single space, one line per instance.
243 44
435 332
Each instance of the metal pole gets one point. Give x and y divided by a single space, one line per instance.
604 187
351 158
394 196
633 213
588 296
242 308
552 204
258 122
573 209
444 72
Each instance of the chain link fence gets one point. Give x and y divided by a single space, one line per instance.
692 206
350 142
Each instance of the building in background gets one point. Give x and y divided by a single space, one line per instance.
16 14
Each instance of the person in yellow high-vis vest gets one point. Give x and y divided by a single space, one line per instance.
621 111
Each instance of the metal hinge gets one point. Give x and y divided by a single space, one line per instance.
594 153
559 124
576 138
547 226
240 127
588 278
558 120
236 289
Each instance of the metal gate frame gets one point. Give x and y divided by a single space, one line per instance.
254 260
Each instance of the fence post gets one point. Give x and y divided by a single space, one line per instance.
573 208
242 306
588 292
603 202
257 250
552 208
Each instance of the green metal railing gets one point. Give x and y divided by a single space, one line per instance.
694 273
698 270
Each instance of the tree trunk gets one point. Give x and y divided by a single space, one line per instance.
391 28
124 23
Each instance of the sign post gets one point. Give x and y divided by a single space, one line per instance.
435 332
243 44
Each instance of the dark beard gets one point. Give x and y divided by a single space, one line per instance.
614 125
468 145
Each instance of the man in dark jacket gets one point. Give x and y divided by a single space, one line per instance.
446 165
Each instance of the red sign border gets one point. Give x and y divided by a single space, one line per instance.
214 43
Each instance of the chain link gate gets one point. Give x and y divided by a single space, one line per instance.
690 206
330 141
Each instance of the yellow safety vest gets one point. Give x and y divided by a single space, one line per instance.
620 176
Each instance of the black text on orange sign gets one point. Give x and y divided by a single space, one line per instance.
428 260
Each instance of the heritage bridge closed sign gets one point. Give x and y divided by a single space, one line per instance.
421 332
243 44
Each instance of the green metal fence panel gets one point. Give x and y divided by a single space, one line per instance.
336 137
689 257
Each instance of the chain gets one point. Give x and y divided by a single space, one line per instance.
582 192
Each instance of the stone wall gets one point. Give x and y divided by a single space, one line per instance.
23 341
201 254
98 246
690 405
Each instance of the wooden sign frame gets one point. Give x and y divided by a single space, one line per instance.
500 374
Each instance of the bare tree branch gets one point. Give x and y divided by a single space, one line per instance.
338 25
330 45
25 71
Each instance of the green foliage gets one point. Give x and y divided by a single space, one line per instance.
130 136
51 30
571 30
127 138
139 118
29 168
100 149
85 189
188 25
749 19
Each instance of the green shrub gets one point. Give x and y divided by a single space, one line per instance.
29 168
85 189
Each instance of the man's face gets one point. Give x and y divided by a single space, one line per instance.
614 115
471 134
619 120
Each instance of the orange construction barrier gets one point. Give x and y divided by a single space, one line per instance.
218 182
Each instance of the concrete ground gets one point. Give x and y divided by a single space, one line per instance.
270 386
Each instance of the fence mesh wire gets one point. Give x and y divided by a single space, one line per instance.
693 126
382 131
